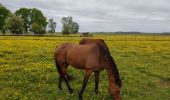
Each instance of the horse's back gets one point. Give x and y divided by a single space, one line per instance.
99 41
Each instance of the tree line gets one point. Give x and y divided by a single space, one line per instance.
26 20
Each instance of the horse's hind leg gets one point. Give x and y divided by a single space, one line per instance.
96 81
64 71
86 77
60 74
60 82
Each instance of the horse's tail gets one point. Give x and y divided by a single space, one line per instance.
60 70
58 66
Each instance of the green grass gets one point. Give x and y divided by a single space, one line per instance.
27 69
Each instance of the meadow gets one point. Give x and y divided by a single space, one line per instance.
27 69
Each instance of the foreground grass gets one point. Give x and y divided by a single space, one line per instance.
27 69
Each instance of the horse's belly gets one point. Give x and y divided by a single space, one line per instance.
77 66
76 62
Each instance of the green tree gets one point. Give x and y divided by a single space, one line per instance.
51 25
38 29
38 17
31 16
15 25
24 13
67 21
75 27
4 13
69 26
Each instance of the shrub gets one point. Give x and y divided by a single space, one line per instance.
15 25
38 29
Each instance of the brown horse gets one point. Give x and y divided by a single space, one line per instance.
104 46
91 58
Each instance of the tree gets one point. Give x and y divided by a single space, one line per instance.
31 16
38 17
38 29
51 25
4 13
15 24
69 26
75 27
24 13
67 21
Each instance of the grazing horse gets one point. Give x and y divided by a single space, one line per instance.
91 58
104 46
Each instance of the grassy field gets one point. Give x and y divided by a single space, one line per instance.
27 69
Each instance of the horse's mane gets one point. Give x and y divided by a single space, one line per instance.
116 72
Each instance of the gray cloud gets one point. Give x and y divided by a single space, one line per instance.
104 15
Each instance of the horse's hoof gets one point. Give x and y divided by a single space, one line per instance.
80 97
96 91
71 91
60 88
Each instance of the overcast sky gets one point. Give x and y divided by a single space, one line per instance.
104 15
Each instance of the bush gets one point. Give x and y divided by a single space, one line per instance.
15 25
38 29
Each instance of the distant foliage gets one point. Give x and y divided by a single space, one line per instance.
38 17
31 16
4 13
75 27
67 21
51 25
24 13
30 19
15 25
69 26
38 29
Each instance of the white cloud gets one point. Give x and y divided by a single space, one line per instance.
104 15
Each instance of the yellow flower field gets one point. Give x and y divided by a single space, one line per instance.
27 69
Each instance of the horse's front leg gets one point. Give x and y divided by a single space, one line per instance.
60 82
86 77
96 81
